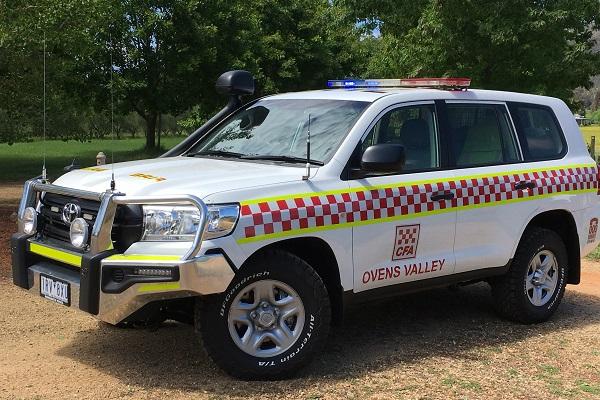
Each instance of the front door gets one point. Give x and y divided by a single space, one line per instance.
403 222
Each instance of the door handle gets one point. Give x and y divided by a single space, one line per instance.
525 185
437 196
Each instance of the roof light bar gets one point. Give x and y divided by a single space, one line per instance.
458 83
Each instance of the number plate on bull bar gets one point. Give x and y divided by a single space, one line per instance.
55 289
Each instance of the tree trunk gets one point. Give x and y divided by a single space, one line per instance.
151 131
596 101
159 129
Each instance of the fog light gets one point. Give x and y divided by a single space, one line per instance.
79 233
29 221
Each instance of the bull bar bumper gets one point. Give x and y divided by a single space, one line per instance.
92 289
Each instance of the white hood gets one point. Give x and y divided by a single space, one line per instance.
180 175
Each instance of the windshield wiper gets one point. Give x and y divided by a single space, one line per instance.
290 159
218 153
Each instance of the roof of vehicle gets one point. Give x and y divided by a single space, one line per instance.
415 94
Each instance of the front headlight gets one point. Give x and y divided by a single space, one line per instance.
181 222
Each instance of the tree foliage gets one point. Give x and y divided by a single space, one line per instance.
167 54
537 46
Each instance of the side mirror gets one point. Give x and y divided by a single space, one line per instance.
235 83
382 158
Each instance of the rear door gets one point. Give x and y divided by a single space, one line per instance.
403 224
491 184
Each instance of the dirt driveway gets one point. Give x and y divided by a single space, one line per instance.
434 345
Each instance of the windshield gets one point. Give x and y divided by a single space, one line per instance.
278 128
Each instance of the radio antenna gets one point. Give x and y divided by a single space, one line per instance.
307 176
112 120
44 176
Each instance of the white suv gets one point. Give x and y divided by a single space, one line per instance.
270 220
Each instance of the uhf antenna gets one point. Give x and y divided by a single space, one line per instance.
112 120
307 176
44 176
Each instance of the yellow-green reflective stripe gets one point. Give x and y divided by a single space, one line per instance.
158 287
143 257
490 175
55 254
407 216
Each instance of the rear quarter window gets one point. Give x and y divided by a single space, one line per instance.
539 132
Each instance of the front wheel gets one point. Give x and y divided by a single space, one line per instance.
533 288
272 319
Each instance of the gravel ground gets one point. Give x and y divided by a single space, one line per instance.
433 345
10 193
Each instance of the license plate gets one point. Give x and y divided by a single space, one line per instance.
55 289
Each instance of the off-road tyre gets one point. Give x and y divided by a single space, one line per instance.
211 318
509 292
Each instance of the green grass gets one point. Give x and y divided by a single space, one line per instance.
595 255
22 161
588 132
588 388
452 381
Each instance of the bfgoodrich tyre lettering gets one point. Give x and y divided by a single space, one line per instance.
230 294
281 270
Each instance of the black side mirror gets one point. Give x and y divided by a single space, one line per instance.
235 83
382 158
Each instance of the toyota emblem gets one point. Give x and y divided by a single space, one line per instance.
70 212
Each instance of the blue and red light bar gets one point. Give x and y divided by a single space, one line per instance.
445 83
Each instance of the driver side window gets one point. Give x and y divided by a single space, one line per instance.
415 128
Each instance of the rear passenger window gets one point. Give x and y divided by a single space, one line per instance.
541 138
481 135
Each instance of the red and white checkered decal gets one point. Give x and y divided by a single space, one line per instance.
352 207
406 242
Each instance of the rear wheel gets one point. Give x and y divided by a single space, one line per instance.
272 319
533 288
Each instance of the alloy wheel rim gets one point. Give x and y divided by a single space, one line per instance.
542 278
266 318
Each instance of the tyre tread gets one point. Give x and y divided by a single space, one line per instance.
506 290
319 292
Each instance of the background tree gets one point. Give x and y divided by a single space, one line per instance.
528 46
23 26
167 54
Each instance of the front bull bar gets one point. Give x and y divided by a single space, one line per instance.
198 275
100 238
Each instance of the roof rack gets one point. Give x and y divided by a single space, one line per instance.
438 83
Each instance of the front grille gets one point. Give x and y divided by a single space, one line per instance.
127 226
52 225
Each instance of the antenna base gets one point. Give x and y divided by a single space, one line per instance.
307 175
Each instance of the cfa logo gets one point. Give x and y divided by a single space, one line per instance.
405 244
593 230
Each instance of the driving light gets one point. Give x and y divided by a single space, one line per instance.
29 221
168 272
180 223
79 233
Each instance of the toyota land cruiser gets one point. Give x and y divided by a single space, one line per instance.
267 222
